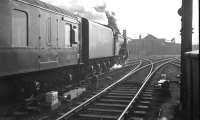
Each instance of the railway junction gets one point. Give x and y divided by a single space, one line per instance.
55 65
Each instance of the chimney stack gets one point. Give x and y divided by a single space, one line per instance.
140 36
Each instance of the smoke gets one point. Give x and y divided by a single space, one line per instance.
116 66
112 21
90 9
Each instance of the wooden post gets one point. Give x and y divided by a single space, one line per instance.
186 45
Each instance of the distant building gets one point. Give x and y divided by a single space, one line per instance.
195 47
150 45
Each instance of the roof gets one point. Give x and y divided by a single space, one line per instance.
149 36
47 6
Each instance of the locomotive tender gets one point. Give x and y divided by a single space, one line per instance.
43 47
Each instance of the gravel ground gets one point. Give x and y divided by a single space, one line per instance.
168 103
47 114
169 108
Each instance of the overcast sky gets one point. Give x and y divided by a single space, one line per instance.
156 17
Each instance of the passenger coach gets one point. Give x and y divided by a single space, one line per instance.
43 48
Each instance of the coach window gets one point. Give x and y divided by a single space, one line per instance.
75 28
72 35
67 35
19 28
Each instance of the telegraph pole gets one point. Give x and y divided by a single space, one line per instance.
125 38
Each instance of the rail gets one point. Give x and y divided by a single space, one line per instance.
178 65
95 96
85 103
141 88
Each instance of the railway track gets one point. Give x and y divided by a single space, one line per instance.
108 78
115 101
176 64
103 78
138 68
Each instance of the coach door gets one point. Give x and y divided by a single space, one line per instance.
48 57
68 41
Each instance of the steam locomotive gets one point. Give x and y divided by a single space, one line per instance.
43 47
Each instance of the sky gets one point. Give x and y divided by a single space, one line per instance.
138 17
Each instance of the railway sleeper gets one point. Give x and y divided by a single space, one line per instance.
125 91
126 87
142 107
144 102
136 118
99 112
146 98
147 95
97 117
114 101
109 106
118 97
105 110
122 89
147 92
120 94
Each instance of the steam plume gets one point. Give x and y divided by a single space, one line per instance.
90 9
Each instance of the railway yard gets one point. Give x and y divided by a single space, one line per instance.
132 92
60 65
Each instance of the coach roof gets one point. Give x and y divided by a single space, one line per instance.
47 6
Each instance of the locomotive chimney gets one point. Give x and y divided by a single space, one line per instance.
125 38
140 36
